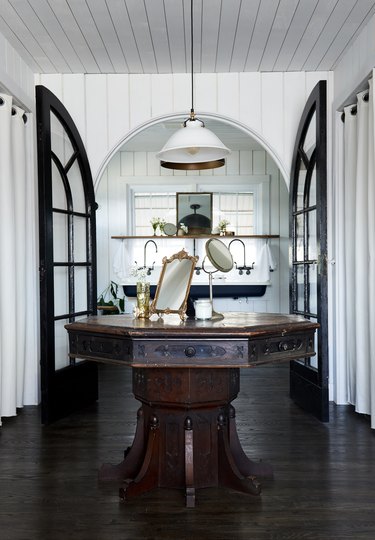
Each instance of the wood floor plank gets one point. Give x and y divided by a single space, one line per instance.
322 488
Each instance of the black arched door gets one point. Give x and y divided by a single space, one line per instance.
67 256
308 251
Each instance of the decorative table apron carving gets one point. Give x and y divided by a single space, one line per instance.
186 374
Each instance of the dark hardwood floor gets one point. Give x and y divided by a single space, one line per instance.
323 486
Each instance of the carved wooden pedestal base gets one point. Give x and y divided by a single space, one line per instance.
186 435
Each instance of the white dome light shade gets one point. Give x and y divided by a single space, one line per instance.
193 143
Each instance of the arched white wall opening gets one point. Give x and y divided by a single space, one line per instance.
131 163
181 116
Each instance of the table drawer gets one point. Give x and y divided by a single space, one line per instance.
100 347
198 352
277 349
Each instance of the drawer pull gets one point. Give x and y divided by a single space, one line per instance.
190 352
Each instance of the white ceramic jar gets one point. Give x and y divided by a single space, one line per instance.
203 309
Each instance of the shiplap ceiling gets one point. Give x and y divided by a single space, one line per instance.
153 36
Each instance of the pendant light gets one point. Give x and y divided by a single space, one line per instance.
193 147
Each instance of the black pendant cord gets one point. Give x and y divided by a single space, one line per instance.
192 58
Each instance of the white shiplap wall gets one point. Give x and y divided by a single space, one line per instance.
131 168
107 107
355 65
16 78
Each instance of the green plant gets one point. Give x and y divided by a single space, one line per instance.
109 300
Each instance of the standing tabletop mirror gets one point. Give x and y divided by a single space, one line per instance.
221 259
174 284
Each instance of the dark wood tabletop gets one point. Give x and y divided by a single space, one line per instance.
240 339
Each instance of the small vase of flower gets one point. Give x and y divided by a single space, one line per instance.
143 299
223 223
155 224
143 292
182 229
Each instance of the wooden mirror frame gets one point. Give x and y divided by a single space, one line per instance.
181 311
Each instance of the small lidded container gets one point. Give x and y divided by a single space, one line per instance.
203 309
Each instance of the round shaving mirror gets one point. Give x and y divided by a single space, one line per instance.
221 259
219 255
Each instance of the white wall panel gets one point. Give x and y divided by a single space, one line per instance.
181 93
118 108
74 100
246 163
295 96
227 94
96 120
250 99
55 84
161 94
356 65
264 102
205 98
153 164
273 117
140 99
16 78
140 163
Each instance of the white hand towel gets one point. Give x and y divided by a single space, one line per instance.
121 261
265 264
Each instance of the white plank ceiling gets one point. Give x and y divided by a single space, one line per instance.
153 36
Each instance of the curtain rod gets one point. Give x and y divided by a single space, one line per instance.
353 110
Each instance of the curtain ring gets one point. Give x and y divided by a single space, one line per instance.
353 110
365 97
24 118
1 101
14 112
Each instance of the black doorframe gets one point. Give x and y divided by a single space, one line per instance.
309 385
67 389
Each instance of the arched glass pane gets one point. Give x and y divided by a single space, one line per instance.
312 239
312 192
60 143
60 237
58 190
61 294
80 241
76 187
313 361
80 288
300 288
300 187
299 255
310 139
61 344
313 289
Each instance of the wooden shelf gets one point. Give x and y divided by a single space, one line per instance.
196 237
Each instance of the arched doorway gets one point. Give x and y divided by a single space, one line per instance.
132 164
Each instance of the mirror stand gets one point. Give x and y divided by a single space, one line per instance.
215 316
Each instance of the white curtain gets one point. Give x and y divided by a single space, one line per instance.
356 255
19 374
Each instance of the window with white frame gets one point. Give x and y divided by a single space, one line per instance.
149 205
238 207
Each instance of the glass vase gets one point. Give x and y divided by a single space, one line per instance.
143 300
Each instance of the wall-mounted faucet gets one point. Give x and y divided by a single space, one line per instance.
244 267
149 268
